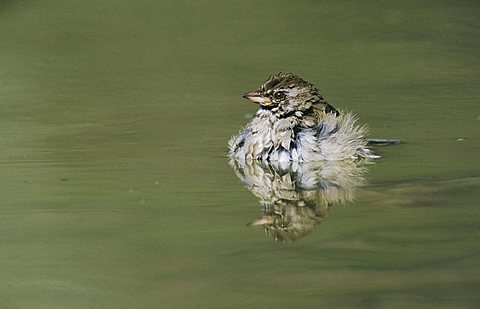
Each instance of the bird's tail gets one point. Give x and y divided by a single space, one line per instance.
382 142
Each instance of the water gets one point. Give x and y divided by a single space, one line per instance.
117 192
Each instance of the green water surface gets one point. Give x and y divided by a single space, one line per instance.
116 192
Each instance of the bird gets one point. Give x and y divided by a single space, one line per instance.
294 122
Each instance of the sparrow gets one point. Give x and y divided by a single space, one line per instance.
294 122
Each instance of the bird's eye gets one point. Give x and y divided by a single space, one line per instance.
279 95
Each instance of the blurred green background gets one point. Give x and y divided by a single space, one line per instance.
116 191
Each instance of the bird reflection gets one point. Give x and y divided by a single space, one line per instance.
296 196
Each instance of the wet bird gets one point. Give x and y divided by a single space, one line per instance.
294 122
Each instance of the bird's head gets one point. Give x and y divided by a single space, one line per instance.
285 94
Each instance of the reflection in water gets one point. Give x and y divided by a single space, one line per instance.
295 196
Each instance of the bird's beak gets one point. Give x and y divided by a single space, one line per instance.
257 97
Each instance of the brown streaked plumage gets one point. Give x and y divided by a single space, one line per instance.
295 123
